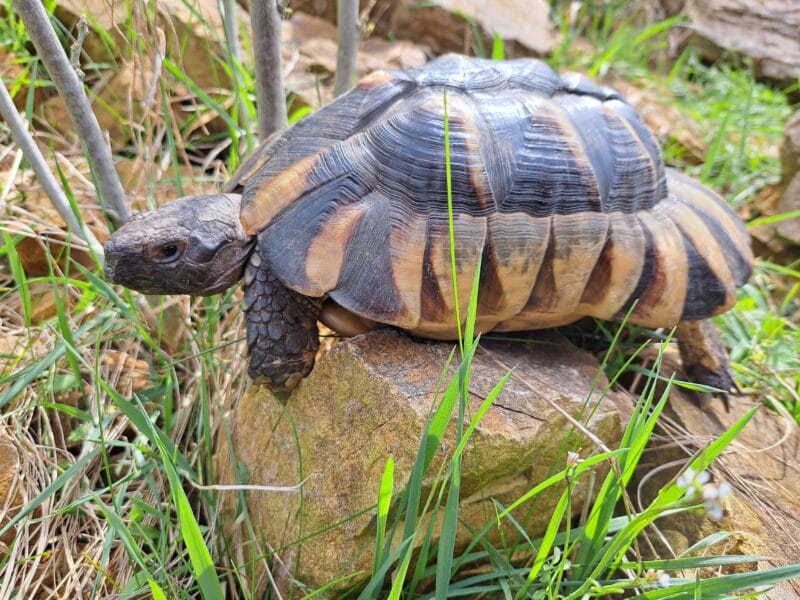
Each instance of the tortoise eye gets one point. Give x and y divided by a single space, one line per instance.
166 253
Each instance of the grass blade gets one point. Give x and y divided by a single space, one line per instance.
384 500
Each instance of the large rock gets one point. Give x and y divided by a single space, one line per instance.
765 30
368 399
790 180
452 25
309 57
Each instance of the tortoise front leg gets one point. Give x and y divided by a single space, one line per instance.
282 333
704 357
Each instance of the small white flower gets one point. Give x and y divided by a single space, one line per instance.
686 478
573 459
663 580
693 482
715 512
710 493
723 491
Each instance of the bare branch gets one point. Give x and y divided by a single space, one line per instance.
70 88
231 28
228 8
347 18
25 142
266 22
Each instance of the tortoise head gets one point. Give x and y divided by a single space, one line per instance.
194 245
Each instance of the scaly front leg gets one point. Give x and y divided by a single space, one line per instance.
704 357
282 333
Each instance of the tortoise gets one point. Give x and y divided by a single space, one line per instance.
559 192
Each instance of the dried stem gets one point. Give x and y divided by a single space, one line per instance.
235 58
71 90
266 22
347 18
29 148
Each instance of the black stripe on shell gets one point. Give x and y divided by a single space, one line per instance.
651 271
596 288
739 265
432 302
705 294
544 295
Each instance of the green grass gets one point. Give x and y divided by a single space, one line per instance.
114 401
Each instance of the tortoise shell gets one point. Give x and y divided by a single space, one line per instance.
558 189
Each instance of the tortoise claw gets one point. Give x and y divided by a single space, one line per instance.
705 361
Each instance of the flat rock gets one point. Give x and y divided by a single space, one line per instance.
309 58
368 399
452 25
461 25
790 180
764 30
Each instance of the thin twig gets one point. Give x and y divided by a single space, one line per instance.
70 88
231 24
29 148
347 18
231 28
266 23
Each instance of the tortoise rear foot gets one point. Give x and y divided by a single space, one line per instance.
282 333
705 359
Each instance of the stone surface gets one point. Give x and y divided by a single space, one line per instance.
367 399
790 180
451 25
763 468
764 30
190 32
309 58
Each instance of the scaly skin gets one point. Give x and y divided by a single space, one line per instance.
197 246
282 333
704 358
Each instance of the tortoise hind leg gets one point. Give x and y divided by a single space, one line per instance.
704 357
282 333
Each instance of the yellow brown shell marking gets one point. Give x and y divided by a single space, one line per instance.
515 249
405 242
438 300
275 193
664 275
695 193
617 270
327 250
576 242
